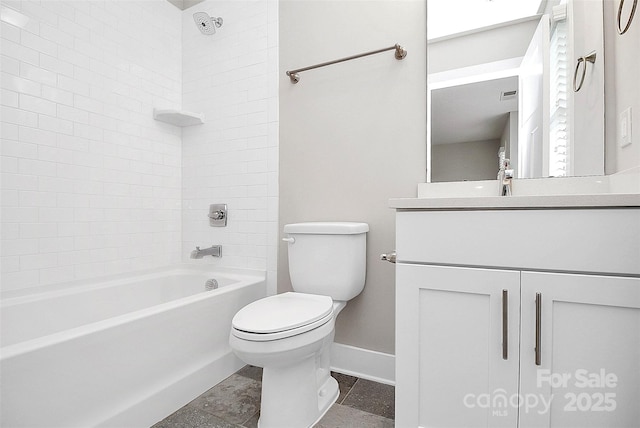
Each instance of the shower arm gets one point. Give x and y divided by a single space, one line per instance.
400 53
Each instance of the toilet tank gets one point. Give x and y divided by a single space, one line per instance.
328 258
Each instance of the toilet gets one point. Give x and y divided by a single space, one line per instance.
289 335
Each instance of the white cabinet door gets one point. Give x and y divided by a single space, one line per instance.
589 345
451 367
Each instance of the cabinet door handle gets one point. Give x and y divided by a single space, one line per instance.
505 324
538 326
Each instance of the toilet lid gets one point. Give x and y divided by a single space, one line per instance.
282 312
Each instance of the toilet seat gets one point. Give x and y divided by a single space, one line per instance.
281 316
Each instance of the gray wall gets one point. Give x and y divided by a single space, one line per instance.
352 135
475 160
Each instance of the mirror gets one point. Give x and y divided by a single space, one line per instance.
503 81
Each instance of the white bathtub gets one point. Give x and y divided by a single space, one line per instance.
124 352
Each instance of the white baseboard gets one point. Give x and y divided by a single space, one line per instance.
363 363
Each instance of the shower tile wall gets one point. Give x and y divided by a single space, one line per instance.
91 184
233 158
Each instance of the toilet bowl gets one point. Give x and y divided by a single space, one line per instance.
289 335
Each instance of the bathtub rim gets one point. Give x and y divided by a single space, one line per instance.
68 287
244 277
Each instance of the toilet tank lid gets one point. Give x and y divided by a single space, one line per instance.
327 227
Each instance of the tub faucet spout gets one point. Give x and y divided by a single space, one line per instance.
214 251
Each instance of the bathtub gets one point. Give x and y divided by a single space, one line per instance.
122 352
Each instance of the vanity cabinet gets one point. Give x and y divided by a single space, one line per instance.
449 344
589 367
491 331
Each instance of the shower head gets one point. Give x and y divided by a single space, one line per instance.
207 24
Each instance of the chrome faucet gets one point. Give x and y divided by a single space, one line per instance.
505 176
214 251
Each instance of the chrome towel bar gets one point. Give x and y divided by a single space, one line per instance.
399 54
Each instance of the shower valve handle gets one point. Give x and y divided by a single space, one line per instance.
216 215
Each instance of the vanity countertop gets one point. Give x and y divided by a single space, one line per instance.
618 190
517 202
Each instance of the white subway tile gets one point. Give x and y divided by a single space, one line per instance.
55 215
113 163
38 261
60 126
37 199
18 117
37 136
90 270
20 52
74 229
18 280
37 13
56 275
38 230
10 264
9 98
37 105
55 65
37 74
57 95
9 65
56 244
19 149
38 43
72 114
37 168
19 182
9 131
67 25
73 85
9 198
9 32
17 247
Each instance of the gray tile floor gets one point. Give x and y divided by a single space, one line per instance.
235 403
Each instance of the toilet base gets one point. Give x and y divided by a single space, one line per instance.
291 411
297 387
298 395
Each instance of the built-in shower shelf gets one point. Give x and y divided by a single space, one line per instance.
178 117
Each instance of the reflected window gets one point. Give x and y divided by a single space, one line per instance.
559 100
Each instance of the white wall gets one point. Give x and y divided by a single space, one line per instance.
353 135
622 87
233 157
90 182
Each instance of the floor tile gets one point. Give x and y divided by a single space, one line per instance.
340 416
253 422
235 403
252 372
191 417
372 397
235 399
345 383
